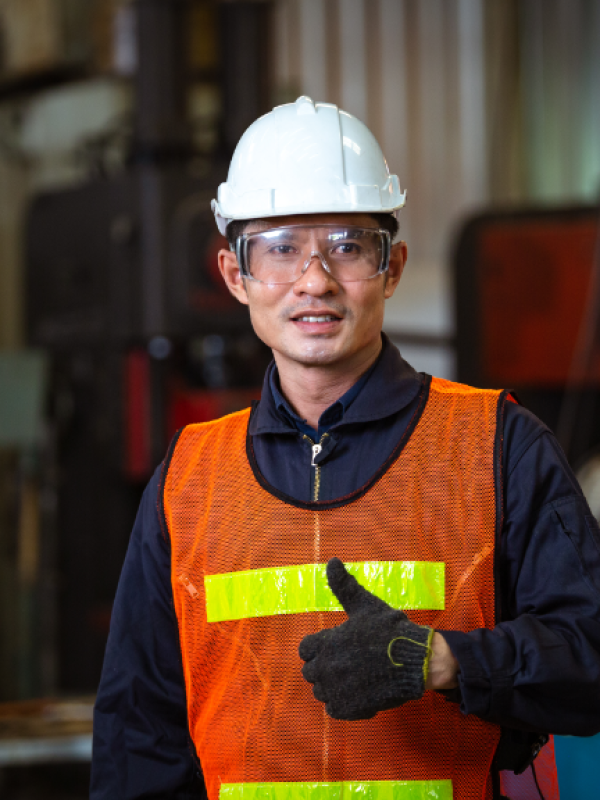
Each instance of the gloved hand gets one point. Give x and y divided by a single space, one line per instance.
376 660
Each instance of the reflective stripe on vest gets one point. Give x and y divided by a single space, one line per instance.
301 589
340 790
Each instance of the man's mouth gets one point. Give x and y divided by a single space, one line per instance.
320 318
316 316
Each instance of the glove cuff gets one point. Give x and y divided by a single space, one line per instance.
411 650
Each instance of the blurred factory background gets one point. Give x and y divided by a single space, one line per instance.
117 121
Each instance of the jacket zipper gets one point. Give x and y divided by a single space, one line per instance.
316 449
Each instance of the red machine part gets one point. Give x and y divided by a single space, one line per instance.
535 278
187 406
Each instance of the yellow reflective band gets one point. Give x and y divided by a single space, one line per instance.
301 589
345 790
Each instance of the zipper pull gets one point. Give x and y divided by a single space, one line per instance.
316 449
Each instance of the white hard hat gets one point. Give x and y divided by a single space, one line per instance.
306 158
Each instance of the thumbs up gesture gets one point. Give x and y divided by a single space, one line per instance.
376 660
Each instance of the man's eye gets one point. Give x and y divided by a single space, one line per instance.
282 250
346 249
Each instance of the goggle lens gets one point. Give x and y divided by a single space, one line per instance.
282 255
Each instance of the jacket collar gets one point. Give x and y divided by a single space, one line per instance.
387 387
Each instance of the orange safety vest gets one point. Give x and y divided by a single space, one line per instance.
249 583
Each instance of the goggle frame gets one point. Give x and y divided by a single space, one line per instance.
240 249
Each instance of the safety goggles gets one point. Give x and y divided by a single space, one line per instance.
283 255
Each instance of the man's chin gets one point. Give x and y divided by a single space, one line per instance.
314 355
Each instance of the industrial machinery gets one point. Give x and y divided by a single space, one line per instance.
123 290
527 307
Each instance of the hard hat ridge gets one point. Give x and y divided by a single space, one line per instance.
306 158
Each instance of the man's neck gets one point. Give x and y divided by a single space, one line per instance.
310 390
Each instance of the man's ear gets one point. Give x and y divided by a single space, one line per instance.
398 256
230 270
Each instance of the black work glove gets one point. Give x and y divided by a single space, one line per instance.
374 661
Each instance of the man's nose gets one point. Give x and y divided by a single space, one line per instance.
315 278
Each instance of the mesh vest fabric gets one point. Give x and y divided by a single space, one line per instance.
252 717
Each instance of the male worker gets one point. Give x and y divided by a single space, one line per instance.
374 583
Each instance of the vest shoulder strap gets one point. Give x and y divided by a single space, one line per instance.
444 386
200 435
190 447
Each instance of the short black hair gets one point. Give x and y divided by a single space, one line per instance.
237 227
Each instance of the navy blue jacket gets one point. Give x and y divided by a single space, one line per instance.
539 669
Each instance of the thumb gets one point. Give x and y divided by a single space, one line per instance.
347 589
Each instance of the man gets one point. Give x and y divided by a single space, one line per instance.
356 485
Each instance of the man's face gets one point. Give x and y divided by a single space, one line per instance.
317 321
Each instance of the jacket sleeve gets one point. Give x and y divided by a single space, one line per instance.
539 668
141 743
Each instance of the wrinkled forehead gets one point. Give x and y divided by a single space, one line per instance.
338 220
